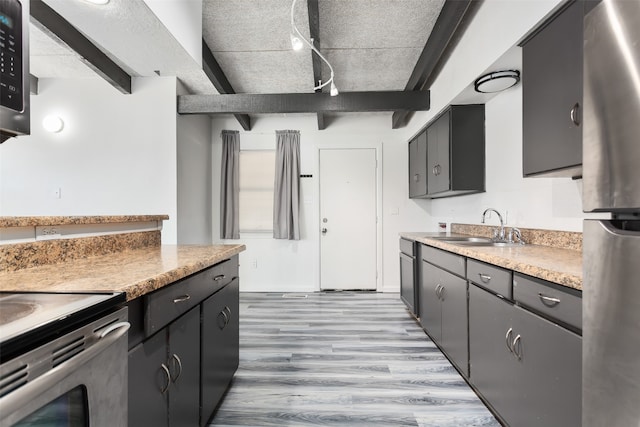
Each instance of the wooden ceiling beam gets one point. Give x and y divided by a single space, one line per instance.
436 49
304 103
58 28
214 72
314 33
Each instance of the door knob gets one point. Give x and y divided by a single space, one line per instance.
324 231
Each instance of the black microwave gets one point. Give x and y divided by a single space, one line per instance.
14 68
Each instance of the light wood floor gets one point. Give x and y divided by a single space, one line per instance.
342 359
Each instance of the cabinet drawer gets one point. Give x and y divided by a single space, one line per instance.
407 247
164 305
549 299
443 259
488 276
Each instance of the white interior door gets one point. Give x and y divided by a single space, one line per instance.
348 219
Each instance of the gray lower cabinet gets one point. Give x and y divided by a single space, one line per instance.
184 369
526 367
165 376
409 271
220 346
443 312
183 348
147 404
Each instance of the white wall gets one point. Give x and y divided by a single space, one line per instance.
194 179
280 265
116 154
183 18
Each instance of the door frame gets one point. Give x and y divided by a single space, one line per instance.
377 146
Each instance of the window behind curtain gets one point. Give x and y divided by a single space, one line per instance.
257 169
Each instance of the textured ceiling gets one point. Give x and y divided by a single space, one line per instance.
373 45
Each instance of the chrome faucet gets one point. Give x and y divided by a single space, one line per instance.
515 236
498 235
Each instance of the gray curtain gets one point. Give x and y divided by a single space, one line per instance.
286 192
230 185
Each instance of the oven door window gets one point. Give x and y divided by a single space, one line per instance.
68 410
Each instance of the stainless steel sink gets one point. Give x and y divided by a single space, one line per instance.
473 241
457 239
485 243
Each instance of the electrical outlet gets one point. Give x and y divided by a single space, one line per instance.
48 232
57 193
255 263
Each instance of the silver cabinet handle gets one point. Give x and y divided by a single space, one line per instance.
164 389
574 114
507 339
324 231
182 298
416 177
549 301
442 289
228 310
225 319
219 277
484 277
439 290
517 349
436 170
179 362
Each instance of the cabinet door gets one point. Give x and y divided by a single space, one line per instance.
493 367
550 375
430 306
219 346
455 320
148 406
418 166
406 281
552 87
184 366
438 154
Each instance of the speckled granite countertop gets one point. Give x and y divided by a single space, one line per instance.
561 266
29 221
135 272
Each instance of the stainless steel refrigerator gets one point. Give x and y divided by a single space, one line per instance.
611 183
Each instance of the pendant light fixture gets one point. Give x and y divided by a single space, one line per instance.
297 43
497 81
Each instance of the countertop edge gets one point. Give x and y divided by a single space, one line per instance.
146 286
495 258
31 221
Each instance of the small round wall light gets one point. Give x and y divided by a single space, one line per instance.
53 124
497 81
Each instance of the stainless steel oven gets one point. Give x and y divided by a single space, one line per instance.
69 368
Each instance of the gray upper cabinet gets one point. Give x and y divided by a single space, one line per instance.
455 152
455 158
418 166
438 154
552 96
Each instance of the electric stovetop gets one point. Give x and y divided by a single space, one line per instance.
30 319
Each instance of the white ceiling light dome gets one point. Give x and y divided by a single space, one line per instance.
497 81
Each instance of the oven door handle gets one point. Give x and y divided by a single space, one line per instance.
15 400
